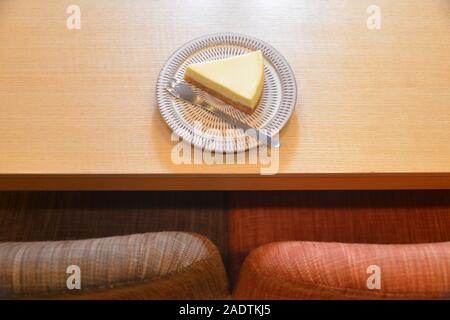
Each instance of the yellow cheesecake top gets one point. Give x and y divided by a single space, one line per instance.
239 79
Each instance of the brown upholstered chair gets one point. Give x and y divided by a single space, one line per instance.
50 216
167 265
319 245
41 233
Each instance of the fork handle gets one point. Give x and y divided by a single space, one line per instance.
262 137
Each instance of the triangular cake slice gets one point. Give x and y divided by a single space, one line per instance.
238 81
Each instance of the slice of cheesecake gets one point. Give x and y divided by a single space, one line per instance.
238 81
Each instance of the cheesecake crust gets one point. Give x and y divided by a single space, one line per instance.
221 97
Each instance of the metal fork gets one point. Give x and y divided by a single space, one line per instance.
182 91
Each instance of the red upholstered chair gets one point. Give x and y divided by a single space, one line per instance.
319 245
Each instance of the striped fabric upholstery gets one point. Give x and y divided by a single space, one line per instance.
50 216
168 265
313 270
384 217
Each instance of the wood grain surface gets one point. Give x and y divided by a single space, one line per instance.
78 107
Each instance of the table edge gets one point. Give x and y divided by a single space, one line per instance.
312 181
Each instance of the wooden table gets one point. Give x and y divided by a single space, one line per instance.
78 109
